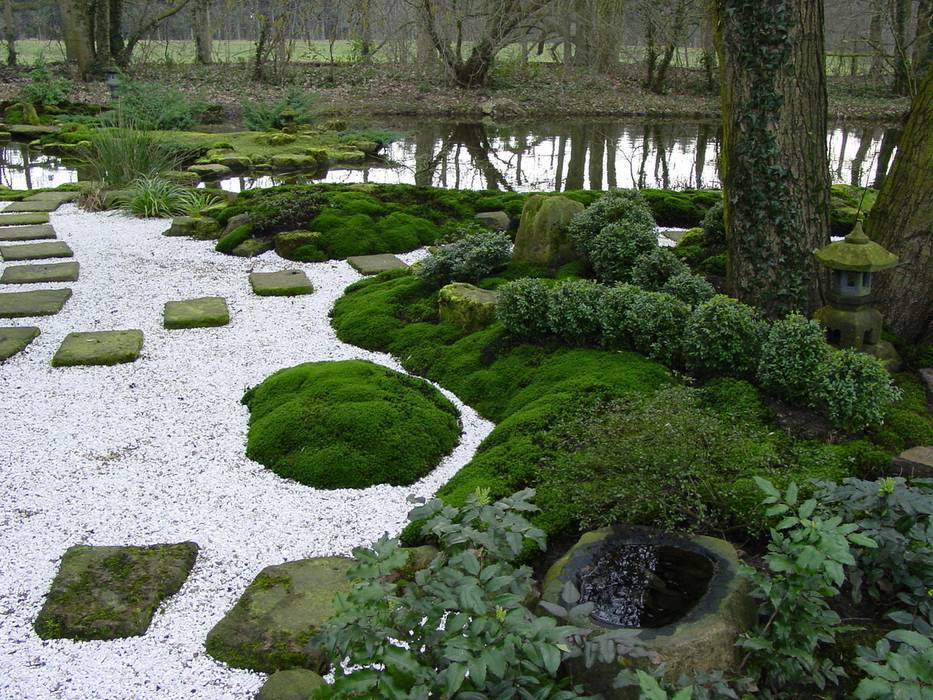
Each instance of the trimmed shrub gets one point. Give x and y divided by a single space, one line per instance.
723 337
573 310
714 225
654 322
652 271
468 259
856 390
793 359
284 209
689 288
524 307
612 311
229 241
349 424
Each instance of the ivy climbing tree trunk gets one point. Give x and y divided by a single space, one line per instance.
9 32
902 221
774 168
203 32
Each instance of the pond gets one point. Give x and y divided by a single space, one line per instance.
532 156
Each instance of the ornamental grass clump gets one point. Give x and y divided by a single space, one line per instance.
793 360
474 255
121 155
723 338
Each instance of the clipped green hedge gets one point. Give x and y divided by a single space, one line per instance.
349 424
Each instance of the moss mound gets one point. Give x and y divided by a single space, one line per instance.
348 424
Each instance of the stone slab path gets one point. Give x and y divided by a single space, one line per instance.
36 251
23 219
206 312
45 205
32 232
48 272
44 302
374 264
13 340
98 348
285 283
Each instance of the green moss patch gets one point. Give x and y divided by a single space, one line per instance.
205 312
112 592
374 264
98 348
36 251
51 272
349 424
287 283
15 339
269 627
45 302
33 232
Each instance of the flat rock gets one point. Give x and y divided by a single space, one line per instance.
50 272
915 463
496 220
374 264
466 306
205 312
926 376
293 684
23 218
210 171
202 228
36 251
33 232
43 302
31 131
280 284
12 340
60 197
32 205
269 627
112 592
98 348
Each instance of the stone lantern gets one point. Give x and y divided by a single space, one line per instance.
850 319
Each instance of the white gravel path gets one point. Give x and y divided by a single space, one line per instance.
153 451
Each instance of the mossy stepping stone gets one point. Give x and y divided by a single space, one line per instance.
12 340
50 272
374 264
36 251
98 348
205 312
60 197
293 684
280 284
112 592
32 205
269 627
44 302
26 233
23 219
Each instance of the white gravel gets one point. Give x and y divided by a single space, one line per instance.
153 451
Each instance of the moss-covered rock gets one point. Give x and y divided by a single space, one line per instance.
349 424
15 339
287 283
288 243
236 163
374 264
252 247
36 251
466 306
201 228
233 237
112 592
210 171
98 348
205 312
293 684
496 220
41 302
542 232
269 627
294 161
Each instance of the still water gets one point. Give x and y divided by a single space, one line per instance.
533 156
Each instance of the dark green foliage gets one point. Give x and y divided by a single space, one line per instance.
848 203
691 289
723 337
652 324
683 208
573 312
653 270
293 107
155 107
284 209
474 255
907 423
793 359
714 225
229 241
348 424
856 390
524 307
44 89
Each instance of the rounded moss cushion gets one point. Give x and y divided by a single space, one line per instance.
349 424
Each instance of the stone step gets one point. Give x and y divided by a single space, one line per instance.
286 283
374 264
206 312
36 251
33 232
15 339
45 302
50 272
55 196
32 205
24 218
98 348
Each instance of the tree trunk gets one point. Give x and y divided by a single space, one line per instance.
609 16
901 17
923 40
902 221
79 42
203 32
102 57
774 168
708 46
674 34
875 40
9 32
117 44
888 142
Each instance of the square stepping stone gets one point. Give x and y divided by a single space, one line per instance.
36 251
374 264
98 348
26 233
33 205
286 283
112 592
44 302
24 218
206 312
52 196
50 272
12 340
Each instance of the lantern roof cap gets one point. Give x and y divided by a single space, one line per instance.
856 252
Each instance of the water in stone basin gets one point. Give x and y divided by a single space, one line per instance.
636 585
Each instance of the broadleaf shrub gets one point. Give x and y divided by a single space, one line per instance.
296 105
793 359
723 338
574 311
689 288
523 307
653 323
156 107
473 256
856 390
44 89
284 209
653 270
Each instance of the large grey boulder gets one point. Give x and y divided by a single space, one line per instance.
542 232
915 463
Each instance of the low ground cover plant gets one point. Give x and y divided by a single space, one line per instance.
155 107
474 254
294 107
